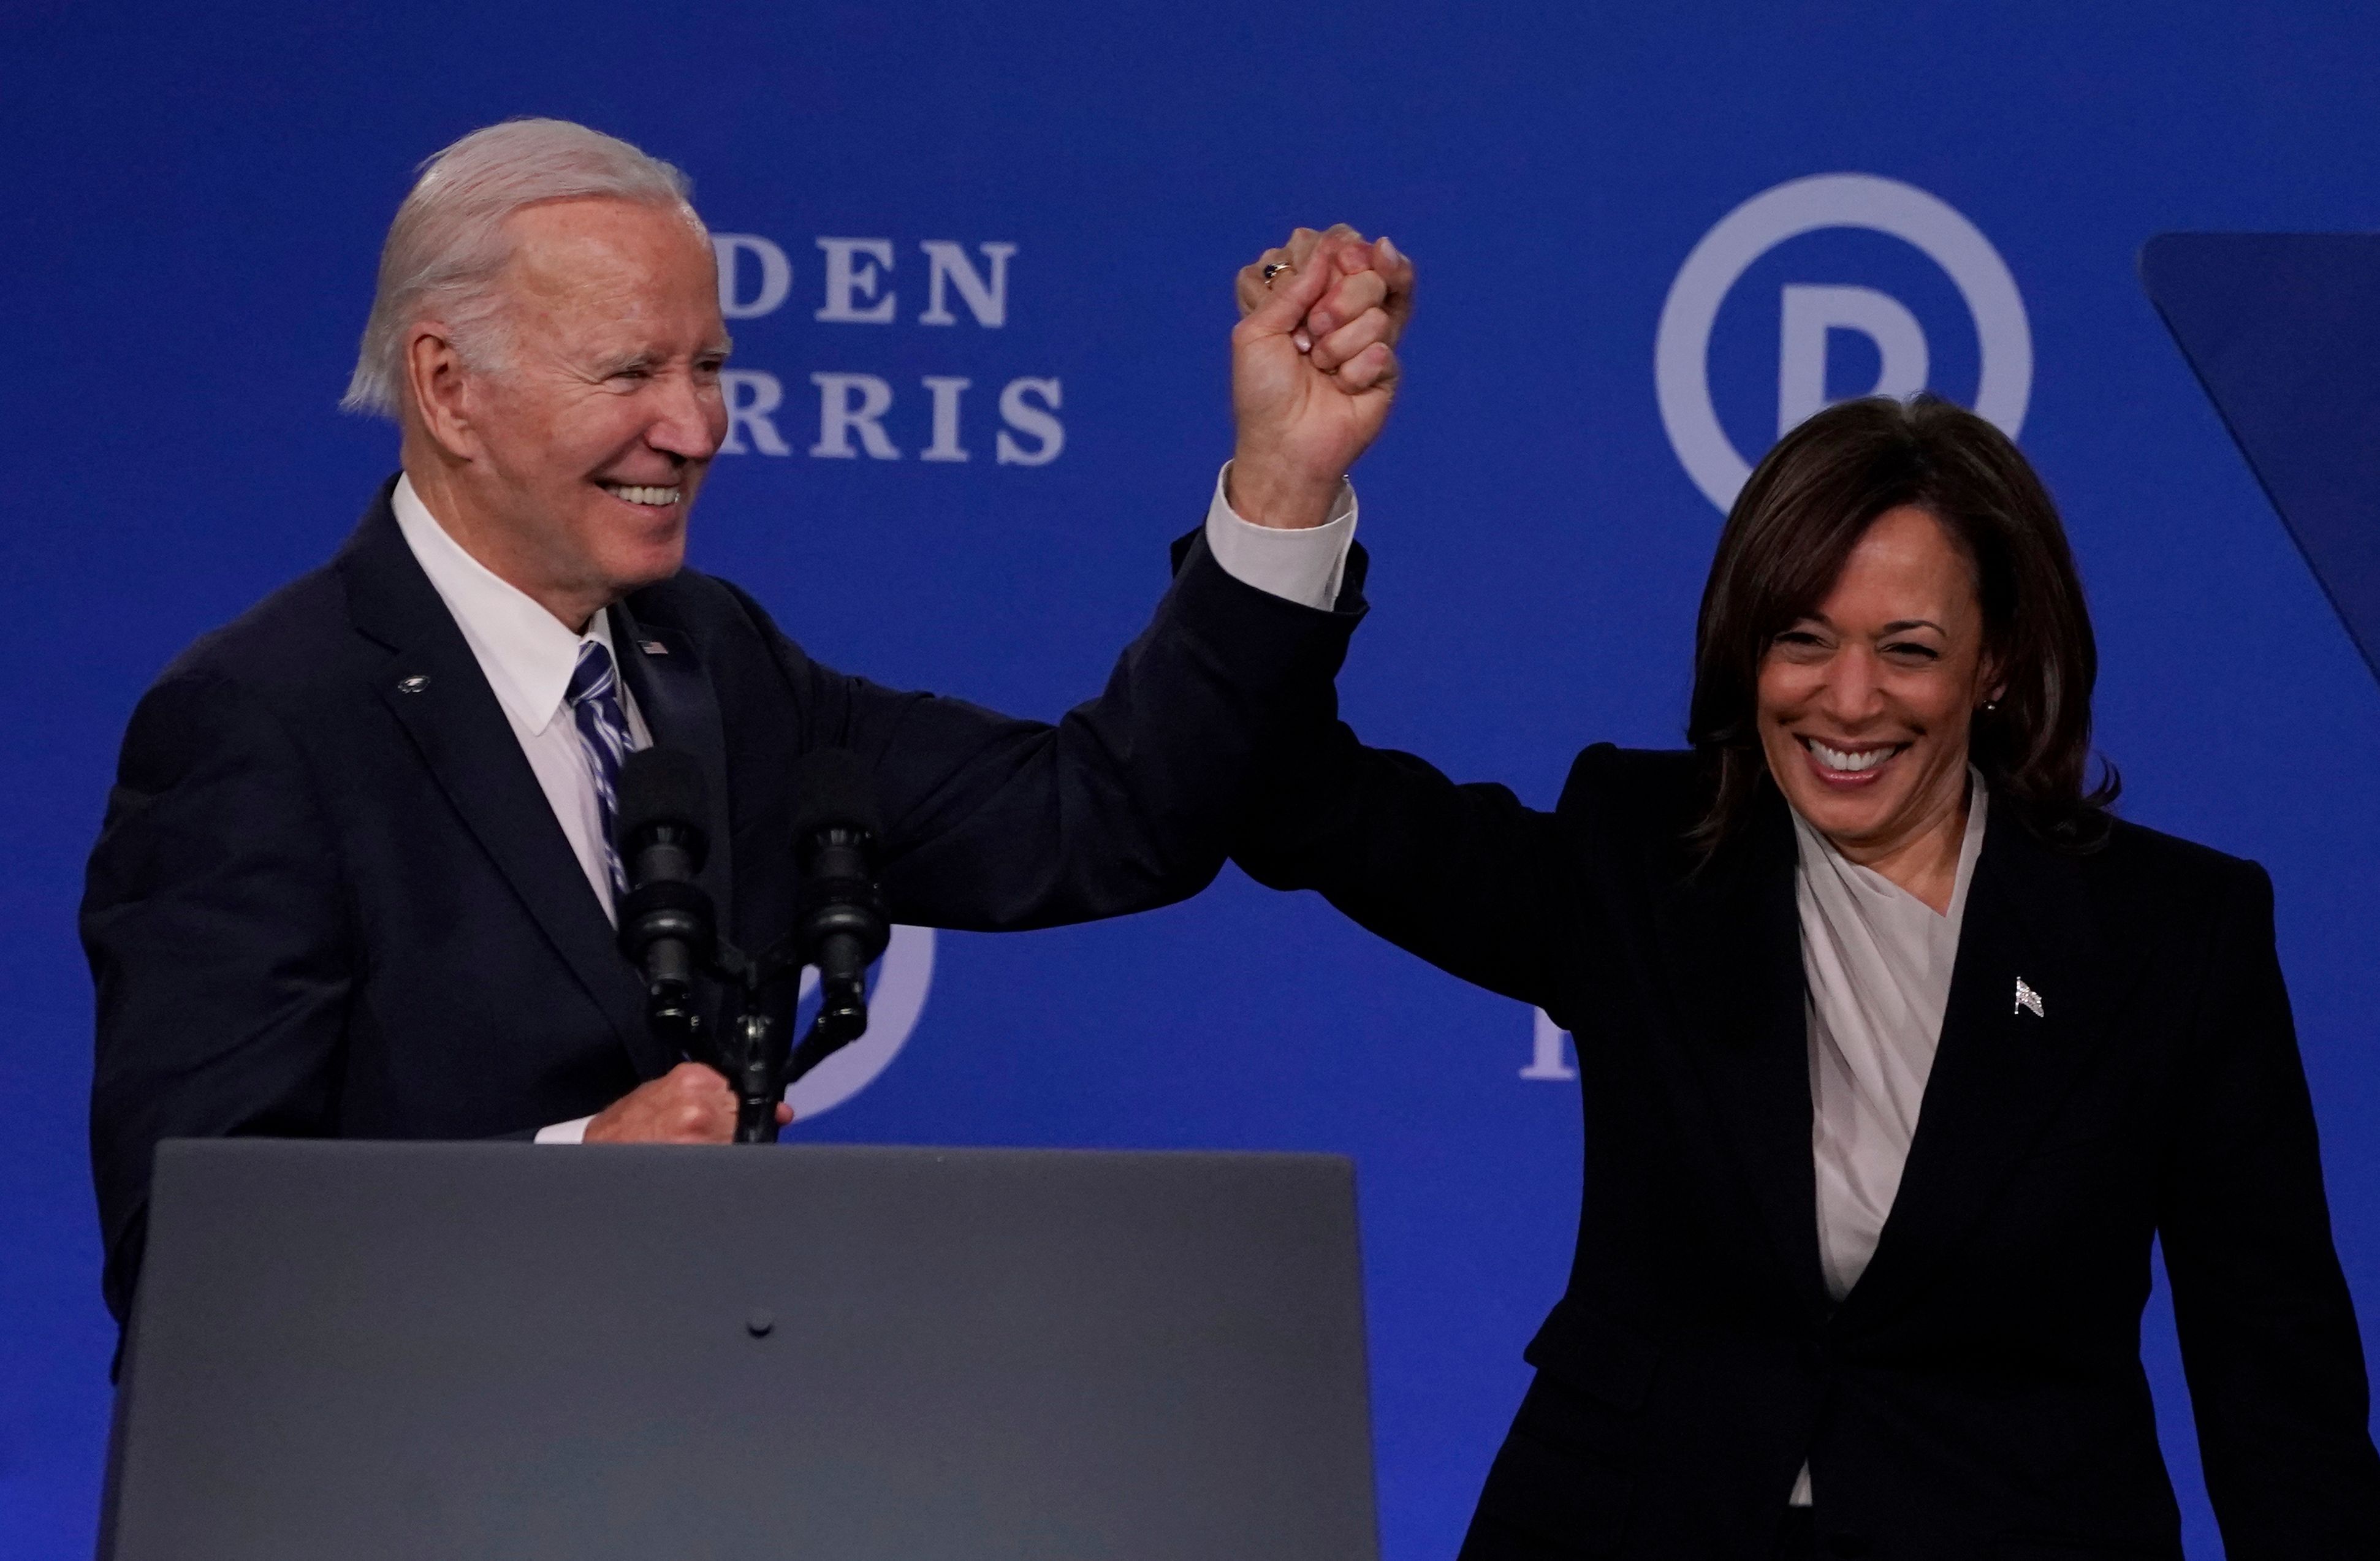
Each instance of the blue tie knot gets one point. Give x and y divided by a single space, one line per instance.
592 677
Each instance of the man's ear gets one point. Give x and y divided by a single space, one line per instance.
437 382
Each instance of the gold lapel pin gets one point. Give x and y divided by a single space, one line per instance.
2026 997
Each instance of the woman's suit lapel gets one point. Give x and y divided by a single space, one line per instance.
1732 936
1732 939
2007 1057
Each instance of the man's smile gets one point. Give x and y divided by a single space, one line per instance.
649 495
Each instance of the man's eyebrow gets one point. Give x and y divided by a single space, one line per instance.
607 367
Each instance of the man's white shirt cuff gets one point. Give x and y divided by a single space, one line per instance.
565 1133
1305 567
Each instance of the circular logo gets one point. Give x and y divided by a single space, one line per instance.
1681 349
898 997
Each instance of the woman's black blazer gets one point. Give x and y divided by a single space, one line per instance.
1979 1392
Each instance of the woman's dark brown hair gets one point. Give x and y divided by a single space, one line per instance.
1786 541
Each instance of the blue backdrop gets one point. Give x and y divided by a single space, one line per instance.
194 201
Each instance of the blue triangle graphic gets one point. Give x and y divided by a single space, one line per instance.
2283 329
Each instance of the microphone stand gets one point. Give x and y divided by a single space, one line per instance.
754 1052
840 928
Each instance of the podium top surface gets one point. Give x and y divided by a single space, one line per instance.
371 1349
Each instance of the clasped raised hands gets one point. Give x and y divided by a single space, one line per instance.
1314 369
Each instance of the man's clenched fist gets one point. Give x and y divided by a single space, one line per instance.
690 1103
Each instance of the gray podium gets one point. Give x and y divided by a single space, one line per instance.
367 1350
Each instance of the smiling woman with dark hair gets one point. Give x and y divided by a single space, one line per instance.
1945 478
1898 1052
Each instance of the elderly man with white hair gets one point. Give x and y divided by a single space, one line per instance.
356 877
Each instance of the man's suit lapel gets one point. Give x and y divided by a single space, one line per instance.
1732 937
2003 1066
680 711
434 687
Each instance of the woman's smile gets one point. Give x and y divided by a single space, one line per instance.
1848 766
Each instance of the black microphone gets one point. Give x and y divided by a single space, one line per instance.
668 926
840 916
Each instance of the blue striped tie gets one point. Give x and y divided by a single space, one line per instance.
594 696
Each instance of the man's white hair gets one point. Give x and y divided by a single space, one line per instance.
447 244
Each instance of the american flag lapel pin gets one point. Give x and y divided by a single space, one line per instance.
653 647
2026 997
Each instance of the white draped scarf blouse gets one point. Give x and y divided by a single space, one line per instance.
1877 963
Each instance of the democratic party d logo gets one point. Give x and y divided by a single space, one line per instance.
1809 312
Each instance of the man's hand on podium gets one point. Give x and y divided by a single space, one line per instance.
690 1103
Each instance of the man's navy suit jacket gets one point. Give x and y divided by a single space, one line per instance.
330 898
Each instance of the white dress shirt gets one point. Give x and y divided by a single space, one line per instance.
528 654
1305 567
1877 963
